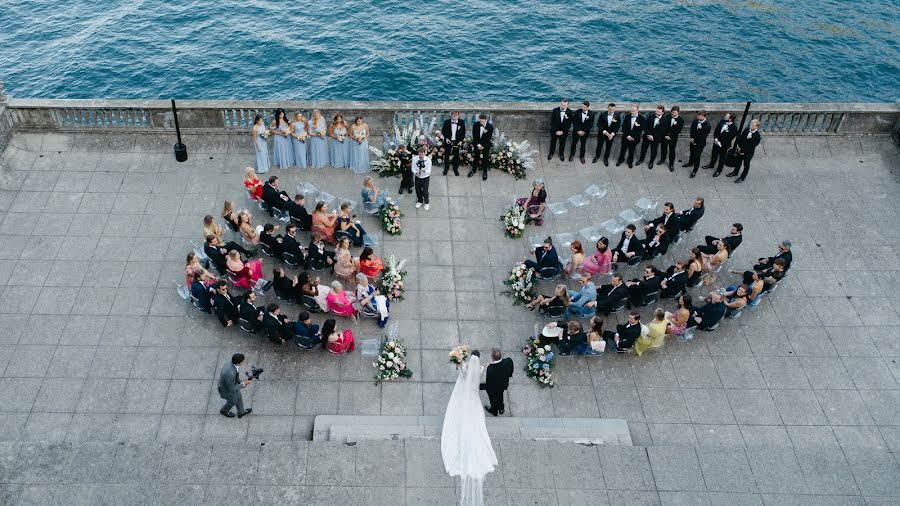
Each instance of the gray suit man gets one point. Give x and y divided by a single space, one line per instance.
230 386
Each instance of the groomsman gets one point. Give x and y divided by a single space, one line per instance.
607 126
654 131
722 137
699 132
481 138
454 131
560 122
747 142
632 130
674 124
581 127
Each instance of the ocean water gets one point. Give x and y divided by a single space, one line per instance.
761 50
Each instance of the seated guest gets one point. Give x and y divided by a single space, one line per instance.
675 281
307 286
784 253
254 187
595 336
372 196
225 304
334 340
582 303
774 274
245 274
339 301
285 288
573 265
370 301
690 217
290 246
695 267
570 336
710 314
733 240
535 203
248 231
712 262
625 335
274 197
369 264
299 214
656 337
248 310
350 225
600 262
545 257
669 218
656 245
323 222
230 215
636 289
306 333
559 299
318 257
628 247
735 299
609 296
755 287
680 318
201 292
216 253
272 240
345 266
277 326
193 268
210 227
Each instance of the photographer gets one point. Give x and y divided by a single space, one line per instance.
230 386
421 165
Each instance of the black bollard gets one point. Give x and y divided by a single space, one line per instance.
180 149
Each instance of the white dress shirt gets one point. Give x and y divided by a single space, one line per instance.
453 127
425 171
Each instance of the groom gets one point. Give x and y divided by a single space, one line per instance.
497 380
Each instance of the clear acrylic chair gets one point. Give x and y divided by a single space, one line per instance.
614 227
629 216
590 234
578 200
198 250
308 189
595 192
564 239
534 242
281 215
372 240
325 197
557 208
646 207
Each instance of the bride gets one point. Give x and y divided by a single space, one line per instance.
465 445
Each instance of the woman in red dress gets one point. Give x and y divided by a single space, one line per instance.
254 186
369 264
245 274
335 341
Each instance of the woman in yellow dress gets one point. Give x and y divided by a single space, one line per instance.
656 338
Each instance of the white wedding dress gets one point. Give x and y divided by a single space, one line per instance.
465 444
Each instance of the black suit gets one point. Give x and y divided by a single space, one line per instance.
608 296
643 287
657 131
496 382
690 217
747 143
672 224
610 125
276 198
628 334
558 123
652 247
271 241
674 126
724 139
786 256
250 313
634 246
581 122
226 307
699 133
675 283
635 132
301 217
215 257
290 245
482 135
733 241
276 328
451 147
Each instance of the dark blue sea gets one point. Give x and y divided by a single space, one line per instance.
761 50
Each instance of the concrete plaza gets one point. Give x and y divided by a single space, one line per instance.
108 376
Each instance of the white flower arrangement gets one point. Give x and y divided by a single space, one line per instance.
265 133
514 158
521 284
514 220
391 361
391 284
390 218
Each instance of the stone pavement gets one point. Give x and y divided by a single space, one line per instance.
96 348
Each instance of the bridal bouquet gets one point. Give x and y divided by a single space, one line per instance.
360 136
539 362
286 130
514 220
390 218
265 133
459 355
511 157
391 361
303 136
391 284
341 137
521 286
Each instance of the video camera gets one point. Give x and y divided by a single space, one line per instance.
254 372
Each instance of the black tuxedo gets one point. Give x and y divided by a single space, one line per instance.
634 246
699 133
271 241
628 334
786 256
301 217
667 147
226 307
215 257
747 143
276 328
451 148
290 245
276 199
496 382
675 283
581 122
652 247
657 131
672 224
482 135
559 123
724 139
733 241
250 313
643 287
605 125
635 132
690 217
608 296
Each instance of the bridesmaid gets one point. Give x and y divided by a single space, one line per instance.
300 137
359 146
261 145
318 146
283 152
340 146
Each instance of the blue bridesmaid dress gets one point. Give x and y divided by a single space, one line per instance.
299 146
359 155
340 151
283 152
318 146
262 155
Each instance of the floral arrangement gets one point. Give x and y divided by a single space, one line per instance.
390 218
341 137
304 136
466 153
539 362
418 133
391 361
265 133
286 130
391 284
514 220
521 286
459 354
511 157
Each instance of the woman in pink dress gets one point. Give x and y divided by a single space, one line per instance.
192 266
335 341
345 266
679 319
599 262
245 274
339 301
